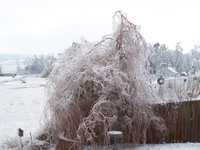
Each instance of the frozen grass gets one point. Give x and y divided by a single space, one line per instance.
10 144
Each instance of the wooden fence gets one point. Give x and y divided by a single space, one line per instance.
182 120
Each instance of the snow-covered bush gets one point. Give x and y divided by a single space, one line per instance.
39 65
48 67
97 87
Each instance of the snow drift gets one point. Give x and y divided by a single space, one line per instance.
99 87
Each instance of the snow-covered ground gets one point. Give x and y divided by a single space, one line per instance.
174 146
21 105
179 146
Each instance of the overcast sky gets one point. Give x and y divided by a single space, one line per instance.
49 26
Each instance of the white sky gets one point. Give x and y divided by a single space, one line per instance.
42 26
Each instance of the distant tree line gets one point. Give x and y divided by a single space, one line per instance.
163 57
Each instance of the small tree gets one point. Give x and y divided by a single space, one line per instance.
49 63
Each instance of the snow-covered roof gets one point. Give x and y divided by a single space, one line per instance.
172 69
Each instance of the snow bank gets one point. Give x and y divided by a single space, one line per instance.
178 146
21 105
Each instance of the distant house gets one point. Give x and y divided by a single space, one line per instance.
167 71
172 71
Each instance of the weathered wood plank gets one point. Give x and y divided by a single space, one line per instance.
182 120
